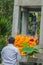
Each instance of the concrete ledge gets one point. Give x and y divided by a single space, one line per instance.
29 2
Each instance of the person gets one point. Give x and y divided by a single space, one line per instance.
10 54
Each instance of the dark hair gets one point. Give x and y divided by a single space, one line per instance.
11 40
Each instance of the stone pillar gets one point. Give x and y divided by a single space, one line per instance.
41 32
41 28
15 18
24 23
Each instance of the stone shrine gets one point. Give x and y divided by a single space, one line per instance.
21 10
21 6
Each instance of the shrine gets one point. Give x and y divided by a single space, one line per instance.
25 18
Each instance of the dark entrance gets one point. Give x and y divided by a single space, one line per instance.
33 22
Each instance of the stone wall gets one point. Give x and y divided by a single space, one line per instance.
29 2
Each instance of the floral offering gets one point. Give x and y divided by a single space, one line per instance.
22 41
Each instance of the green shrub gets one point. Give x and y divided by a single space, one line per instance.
3 26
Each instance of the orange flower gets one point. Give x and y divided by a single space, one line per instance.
22 53
20 48
17 37
27 38
20 39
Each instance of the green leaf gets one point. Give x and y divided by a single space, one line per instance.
25 44
36 51
28 50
